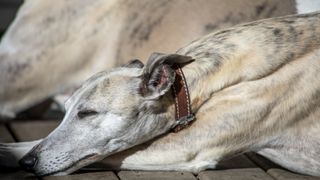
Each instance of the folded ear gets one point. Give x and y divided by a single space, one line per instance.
157 59
135 63
158 75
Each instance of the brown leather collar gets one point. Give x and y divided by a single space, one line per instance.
184 115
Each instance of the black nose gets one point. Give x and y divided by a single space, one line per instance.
28 162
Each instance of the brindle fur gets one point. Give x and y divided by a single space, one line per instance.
49 49
253 87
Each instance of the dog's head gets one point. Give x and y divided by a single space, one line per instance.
111 112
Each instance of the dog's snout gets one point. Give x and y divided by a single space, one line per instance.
28 162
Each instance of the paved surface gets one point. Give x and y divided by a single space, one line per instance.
245 167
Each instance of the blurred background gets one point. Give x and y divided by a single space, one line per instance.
8 9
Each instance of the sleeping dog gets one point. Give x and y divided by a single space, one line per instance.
252 87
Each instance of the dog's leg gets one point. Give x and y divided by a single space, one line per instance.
297 150
11 153
192 166
150 156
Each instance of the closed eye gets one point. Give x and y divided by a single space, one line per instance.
86 112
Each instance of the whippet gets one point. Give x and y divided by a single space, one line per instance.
253 87
49 49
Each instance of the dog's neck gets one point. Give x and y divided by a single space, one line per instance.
201 84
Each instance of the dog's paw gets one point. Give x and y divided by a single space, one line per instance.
6 115
11 153
203 165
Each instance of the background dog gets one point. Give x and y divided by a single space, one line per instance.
51 49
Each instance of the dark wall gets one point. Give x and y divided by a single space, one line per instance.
8 9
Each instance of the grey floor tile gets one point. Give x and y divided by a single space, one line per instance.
235 174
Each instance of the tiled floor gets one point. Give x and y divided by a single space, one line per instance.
245 167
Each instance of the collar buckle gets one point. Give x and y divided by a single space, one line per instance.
185 120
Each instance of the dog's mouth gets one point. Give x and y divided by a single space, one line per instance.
86 160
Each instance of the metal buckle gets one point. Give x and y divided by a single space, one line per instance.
186 120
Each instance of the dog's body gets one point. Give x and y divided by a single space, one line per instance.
51 48
246 88
253 87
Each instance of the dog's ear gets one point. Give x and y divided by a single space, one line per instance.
158 75
157 59
135 63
